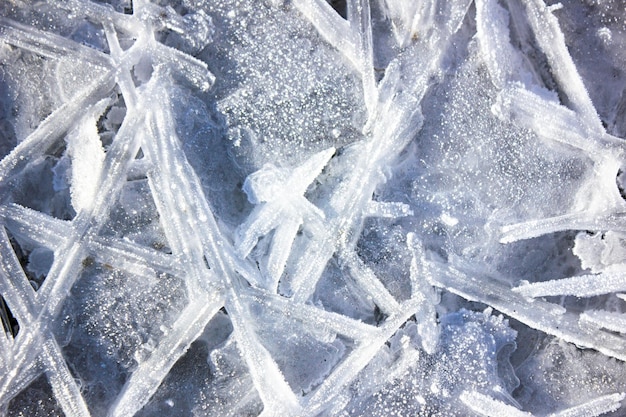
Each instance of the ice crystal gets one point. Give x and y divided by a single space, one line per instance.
311 207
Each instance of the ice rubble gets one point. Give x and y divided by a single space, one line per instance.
265 208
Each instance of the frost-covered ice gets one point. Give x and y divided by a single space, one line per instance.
312 208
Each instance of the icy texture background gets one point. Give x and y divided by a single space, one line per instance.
311 208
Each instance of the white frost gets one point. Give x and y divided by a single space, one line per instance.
87 156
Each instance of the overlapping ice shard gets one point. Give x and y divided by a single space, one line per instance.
312 208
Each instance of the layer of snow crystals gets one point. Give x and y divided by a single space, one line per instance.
312 208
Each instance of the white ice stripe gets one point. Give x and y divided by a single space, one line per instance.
492 32
35 226
593 408
168 186
195 71
14 286
368 282
16 379
284 235
49 44
489 407
134 258
551 40
551 120
359 16
64 386
269 381
615 322
6 352
587 220
51 233
124 79
303 175
589 285
315 318
426 317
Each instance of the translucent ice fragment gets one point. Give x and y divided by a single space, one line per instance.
405 18
366 279
574 221
40 260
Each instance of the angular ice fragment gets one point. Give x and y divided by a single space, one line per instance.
87 156
50 45
547 317
39 261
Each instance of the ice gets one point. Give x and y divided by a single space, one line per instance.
581 286
615 322
281 207
311 208
87 157
487 406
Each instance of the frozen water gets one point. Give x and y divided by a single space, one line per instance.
312 208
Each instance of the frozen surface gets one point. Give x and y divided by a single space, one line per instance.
312 208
